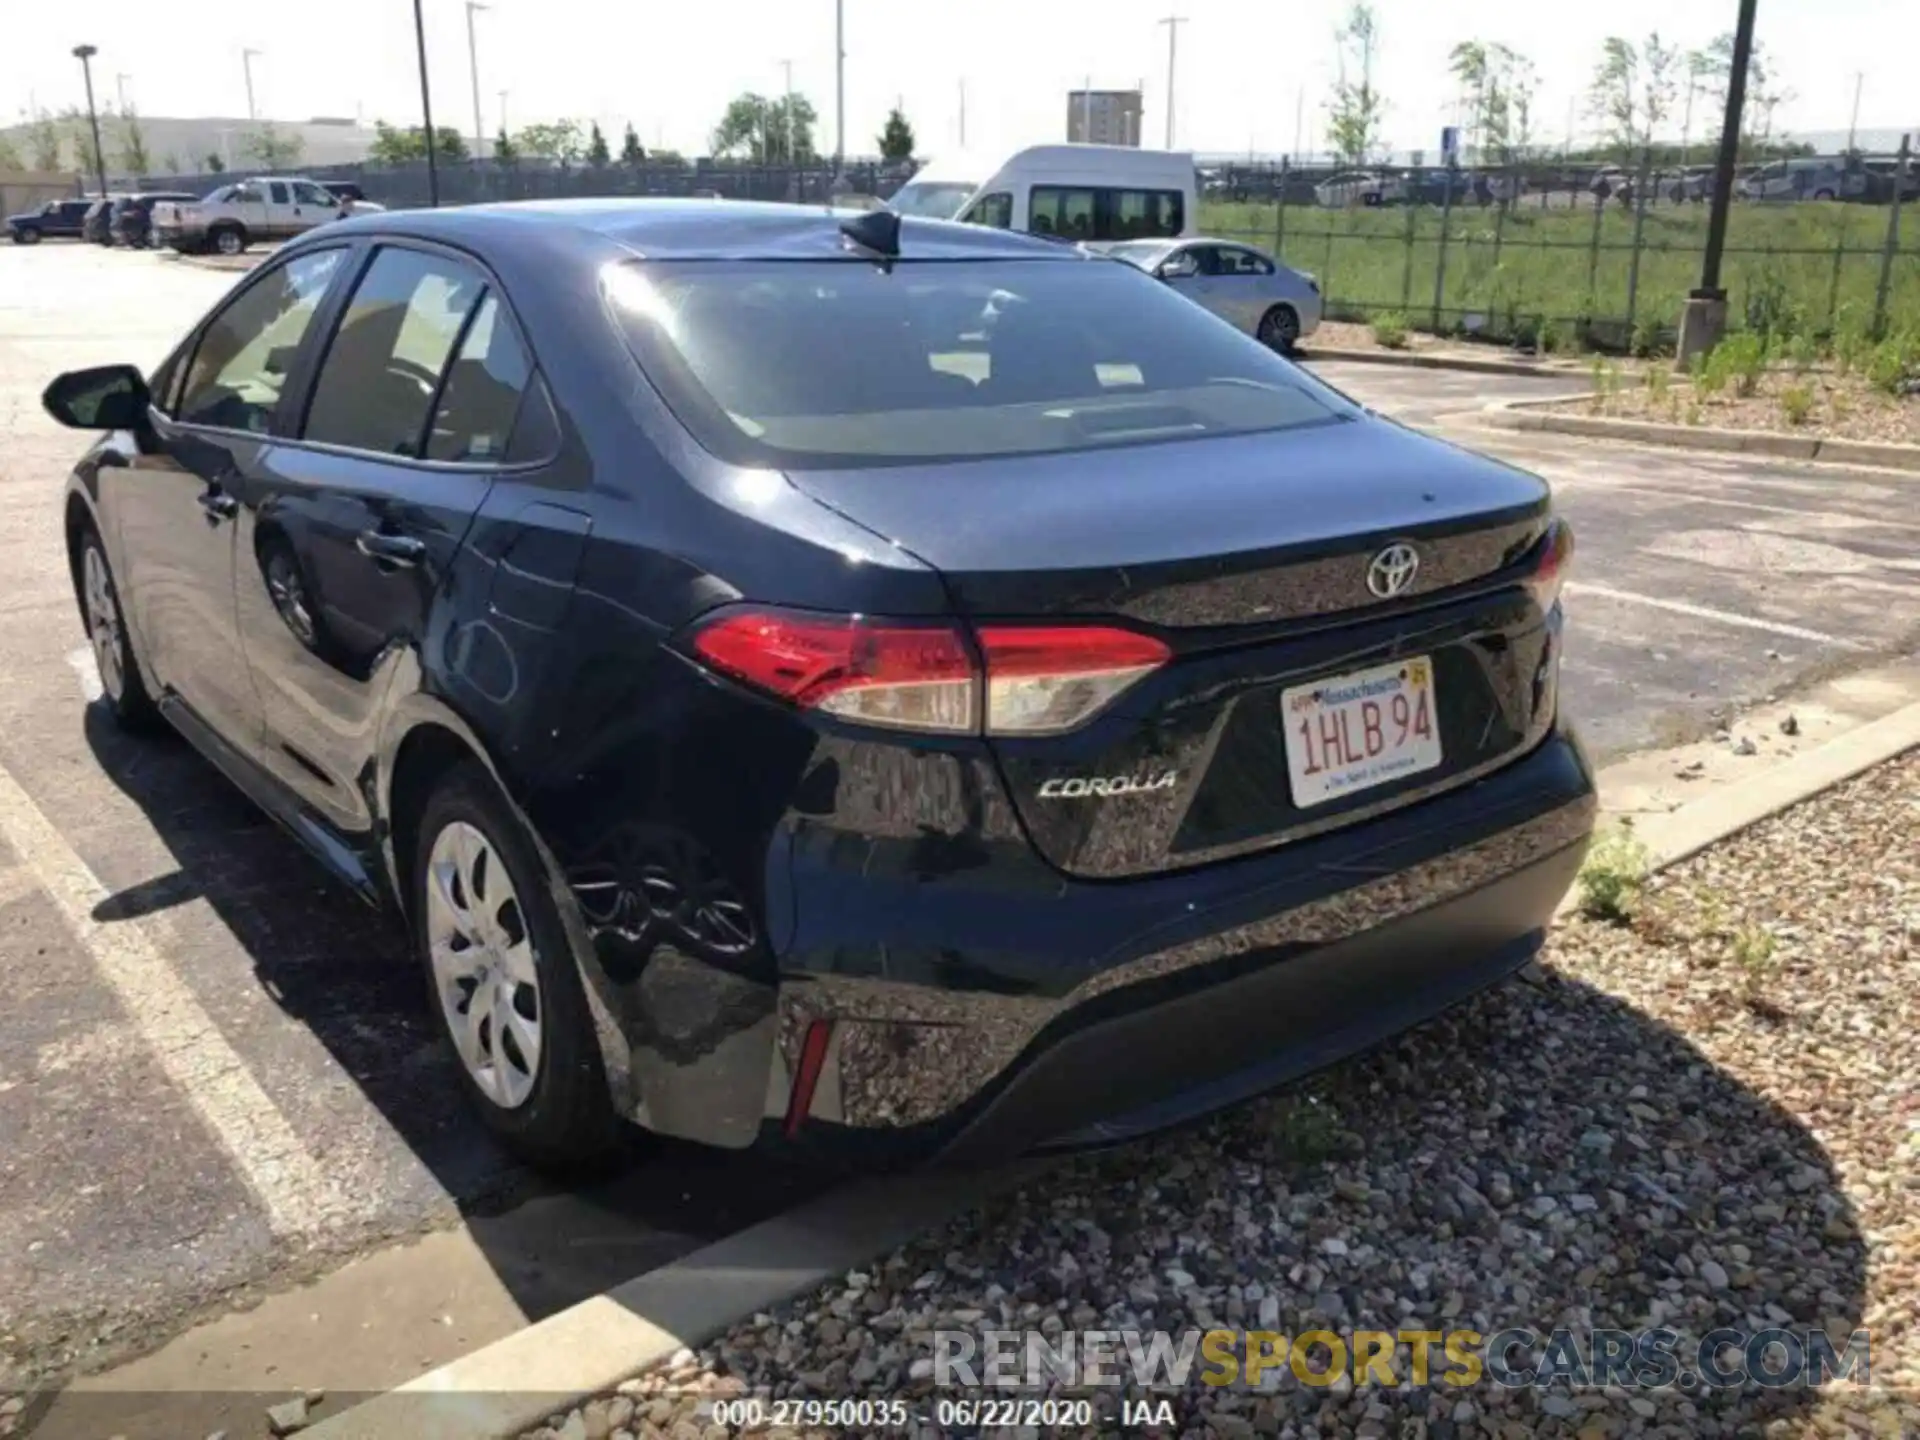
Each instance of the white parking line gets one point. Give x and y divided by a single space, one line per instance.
1704 612
162 1010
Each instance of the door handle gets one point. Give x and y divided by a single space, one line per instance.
397 550
218 504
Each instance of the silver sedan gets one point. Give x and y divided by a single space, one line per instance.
1245 287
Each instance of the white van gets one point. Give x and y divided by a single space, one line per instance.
1068 192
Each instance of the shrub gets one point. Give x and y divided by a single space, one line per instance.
1552 339
1893 363
1646 340
1708 378
1739 360
1613 876
1796 403
1390 330
1772 313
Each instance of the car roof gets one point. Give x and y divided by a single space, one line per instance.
677 229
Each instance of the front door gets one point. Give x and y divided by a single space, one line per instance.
178 506
349 537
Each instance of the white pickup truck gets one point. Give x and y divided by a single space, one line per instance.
267 207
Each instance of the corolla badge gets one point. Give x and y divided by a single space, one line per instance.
1081 787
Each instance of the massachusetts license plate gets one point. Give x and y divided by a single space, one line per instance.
1353 732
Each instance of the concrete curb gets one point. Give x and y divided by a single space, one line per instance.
504 1389
1531 416
1425 360
509 1387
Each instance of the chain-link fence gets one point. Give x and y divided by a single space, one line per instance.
1598 253
470 182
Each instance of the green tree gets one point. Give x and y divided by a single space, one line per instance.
505 152
449 145
770 131
1764 93
632 154
1632 91
132 142
896 140
213 163
44 142
1497 85
1356 110
559 140
170 163
9 156
394 146
272 148
598 155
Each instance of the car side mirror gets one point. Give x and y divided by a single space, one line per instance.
105 397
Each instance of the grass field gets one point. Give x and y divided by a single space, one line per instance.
1819 262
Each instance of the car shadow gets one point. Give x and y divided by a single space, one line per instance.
345 972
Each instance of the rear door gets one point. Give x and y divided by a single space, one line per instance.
351 536
312 206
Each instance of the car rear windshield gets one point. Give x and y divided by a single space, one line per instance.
817 364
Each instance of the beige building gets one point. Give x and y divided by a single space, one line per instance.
1103 117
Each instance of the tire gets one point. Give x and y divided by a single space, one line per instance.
121 686
25 236
228 239
1823 194
1280 329
551 1109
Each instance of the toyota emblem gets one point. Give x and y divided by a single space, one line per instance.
1391 572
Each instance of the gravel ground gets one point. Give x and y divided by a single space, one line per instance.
1706 1116
1841 407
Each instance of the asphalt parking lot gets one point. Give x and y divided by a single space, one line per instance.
217 1073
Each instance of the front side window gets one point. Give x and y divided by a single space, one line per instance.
306 194
995 210
383 367
795 365
278 191
246 352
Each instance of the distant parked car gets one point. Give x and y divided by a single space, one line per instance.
1806 180
1360 187
132 223
268 207
1246 287
1693 184
57 219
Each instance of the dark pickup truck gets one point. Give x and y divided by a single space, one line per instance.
56 219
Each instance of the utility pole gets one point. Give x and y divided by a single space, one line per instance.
787 104
1086 112
473 71
503 112
84 54
1854 123
839 86
963 115
426 107
1703 319
1173 24
120 90
1299 118
246 64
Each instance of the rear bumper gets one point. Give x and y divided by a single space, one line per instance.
975 1015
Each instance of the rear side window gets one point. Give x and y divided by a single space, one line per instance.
482 393
1138 213
246 351
802 364
1101 213
1070 213
278 192
382 372
995 210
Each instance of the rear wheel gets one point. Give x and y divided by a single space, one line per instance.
26 236
229 239
1823 194
1280 329
505 986
120 683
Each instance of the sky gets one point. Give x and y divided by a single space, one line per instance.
1250 75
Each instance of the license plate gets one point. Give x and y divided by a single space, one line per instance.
1352 732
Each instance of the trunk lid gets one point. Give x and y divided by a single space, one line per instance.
1249 556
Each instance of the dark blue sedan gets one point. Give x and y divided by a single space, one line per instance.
863 687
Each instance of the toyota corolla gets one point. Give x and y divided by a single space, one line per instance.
847 685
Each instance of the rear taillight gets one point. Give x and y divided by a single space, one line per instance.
1553 555
1026 679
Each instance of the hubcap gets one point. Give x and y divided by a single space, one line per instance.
483 965
229 243
1282 328
103 623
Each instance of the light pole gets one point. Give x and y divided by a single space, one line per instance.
84 54
1173 24
503 112
839 86
246 64
473 69
787 103
426 107
1703 319
121 78
1854 124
